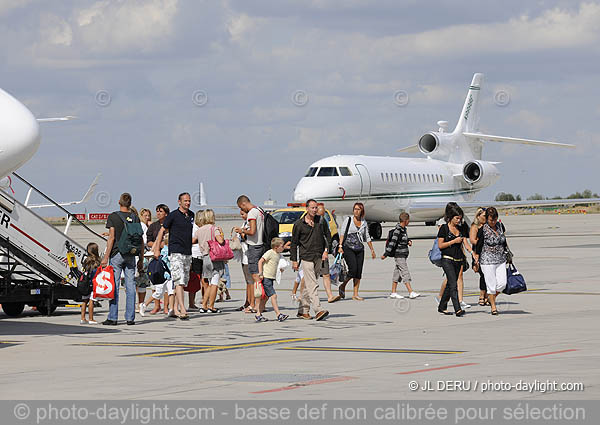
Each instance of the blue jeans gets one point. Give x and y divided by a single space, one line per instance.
127 266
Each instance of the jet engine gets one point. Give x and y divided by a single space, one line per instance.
436 144
480 173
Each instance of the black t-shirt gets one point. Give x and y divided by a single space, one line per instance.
114 220
454 251
180 227
152 231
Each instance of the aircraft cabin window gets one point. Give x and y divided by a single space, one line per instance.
345 171
382 179
327 172
311 172
387 177
405 178
396 176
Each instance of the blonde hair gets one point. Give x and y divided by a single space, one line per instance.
478 213
200 218
145 210
275 242
209 217
134 210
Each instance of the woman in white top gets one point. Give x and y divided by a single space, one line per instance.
195 283
355 233
141 279
212 271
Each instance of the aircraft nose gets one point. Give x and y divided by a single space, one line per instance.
19 133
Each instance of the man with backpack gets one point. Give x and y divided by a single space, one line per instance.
255 236
396 246
125 242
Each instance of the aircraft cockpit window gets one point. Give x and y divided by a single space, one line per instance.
327 172
311 172
345 171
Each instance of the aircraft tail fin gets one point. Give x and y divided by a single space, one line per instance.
469 116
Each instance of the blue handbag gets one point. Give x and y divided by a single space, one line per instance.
335 271
515 282
435 255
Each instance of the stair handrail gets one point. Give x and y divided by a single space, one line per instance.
70 215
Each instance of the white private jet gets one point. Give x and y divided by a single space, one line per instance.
20 140
452 171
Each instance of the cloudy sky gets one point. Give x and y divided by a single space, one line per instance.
244 95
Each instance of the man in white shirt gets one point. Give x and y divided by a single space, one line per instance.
254 235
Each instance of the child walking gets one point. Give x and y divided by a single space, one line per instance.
267 271
90 264
397 247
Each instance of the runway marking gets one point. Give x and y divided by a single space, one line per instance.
193 348
305 384
373 350
541 354
436 368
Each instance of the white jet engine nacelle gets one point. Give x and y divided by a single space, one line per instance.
437 145
480 173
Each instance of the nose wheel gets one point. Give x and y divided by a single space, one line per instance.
375 230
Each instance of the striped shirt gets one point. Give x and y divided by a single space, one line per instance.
399 242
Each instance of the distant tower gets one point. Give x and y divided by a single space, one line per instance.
269 202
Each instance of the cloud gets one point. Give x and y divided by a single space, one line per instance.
7 6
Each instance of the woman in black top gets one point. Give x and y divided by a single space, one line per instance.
450 240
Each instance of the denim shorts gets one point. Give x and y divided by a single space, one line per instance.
268 285
254 254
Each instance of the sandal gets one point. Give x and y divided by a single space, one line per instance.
460 313
481 301
213 310
183 317
494 312
249 310
357 298
444 312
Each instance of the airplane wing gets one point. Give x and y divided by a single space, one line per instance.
65 118
85 198
410 149
502 139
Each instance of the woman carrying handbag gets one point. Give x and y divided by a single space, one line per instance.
356 232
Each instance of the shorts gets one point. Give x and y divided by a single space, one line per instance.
401 273
180 268
268 285
196 265
254 254
159 290
212 271
322 267
247 275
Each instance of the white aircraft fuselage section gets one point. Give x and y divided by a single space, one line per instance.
386 185
19 134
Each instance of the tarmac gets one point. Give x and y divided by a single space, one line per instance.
544 343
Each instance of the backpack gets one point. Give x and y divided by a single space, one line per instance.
132 237
435 255
84 284
387 242
156 271
270 229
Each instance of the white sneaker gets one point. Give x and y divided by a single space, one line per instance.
92 322
464 305
142 309
395 295
171 313
83 322
413 295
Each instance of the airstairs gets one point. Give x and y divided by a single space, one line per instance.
39 264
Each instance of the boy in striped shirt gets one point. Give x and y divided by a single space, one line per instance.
397 247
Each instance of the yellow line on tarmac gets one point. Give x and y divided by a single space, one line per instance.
227 347
134 344
373 350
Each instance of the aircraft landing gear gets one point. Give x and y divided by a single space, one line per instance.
375 230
